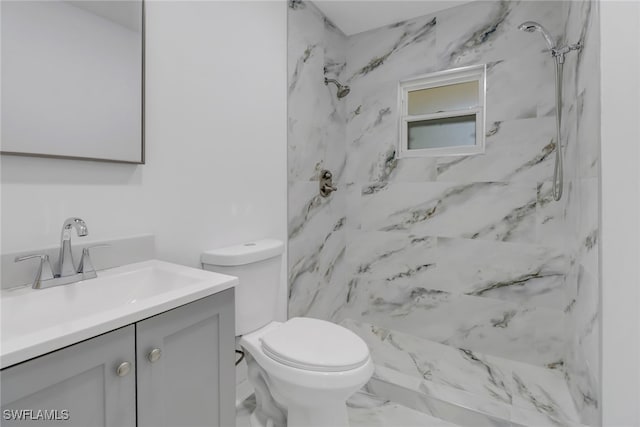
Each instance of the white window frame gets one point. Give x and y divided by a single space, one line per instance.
442 78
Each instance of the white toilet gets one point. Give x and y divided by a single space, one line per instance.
303 370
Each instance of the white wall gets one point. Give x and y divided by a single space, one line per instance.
43 44
620 58
216 143
216 124
39 194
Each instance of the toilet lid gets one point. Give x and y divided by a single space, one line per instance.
315 345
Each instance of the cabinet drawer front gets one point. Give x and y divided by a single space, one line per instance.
81 379
185 361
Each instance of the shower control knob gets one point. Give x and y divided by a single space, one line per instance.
154 355
326 183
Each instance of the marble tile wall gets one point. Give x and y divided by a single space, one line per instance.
582 129
316 135
467 251
459 250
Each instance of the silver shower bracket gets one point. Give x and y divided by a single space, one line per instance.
561 52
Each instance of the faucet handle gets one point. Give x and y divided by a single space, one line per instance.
44 269
86 266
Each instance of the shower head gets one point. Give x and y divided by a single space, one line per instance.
532 26
343 90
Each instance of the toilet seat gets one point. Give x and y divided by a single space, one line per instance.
315 345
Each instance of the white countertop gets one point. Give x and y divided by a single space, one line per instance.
38 321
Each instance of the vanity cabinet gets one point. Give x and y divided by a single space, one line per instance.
192 380
80 379
172 369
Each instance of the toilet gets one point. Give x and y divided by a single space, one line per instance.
303 370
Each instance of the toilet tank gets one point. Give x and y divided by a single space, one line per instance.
257 265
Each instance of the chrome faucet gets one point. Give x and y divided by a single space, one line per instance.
66 264
67 270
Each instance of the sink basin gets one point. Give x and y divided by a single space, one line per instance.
34 322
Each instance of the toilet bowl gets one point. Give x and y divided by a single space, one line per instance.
311 368
303 370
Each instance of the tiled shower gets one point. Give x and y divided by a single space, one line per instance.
477 293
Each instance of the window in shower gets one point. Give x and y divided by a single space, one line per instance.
442 114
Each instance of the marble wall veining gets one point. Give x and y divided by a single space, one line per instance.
581 217
316 133
468 251
454 249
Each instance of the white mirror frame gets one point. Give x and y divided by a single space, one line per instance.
442 78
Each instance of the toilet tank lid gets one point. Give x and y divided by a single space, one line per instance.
244 253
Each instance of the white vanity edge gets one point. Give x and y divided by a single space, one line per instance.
49 339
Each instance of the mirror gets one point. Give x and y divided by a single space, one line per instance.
72 79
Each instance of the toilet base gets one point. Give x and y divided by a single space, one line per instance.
268 412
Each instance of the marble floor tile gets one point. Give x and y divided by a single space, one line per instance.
451 412
486 384
369 411
364 411
496 393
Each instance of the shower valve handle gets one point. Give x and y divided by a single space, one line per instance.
326 183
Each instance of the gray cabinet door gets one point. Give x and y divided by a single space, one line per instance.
80 379
192 382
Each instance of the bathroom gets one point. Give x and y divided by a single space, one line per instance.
481 299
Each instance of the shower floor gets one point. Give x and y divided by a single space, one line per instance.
463 387
419 382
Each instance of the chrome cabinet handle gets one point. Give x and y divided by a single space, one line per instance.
123 369
154 355
44 269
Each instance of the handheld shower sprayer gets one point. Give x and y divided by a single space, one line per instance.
532 27
559 57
